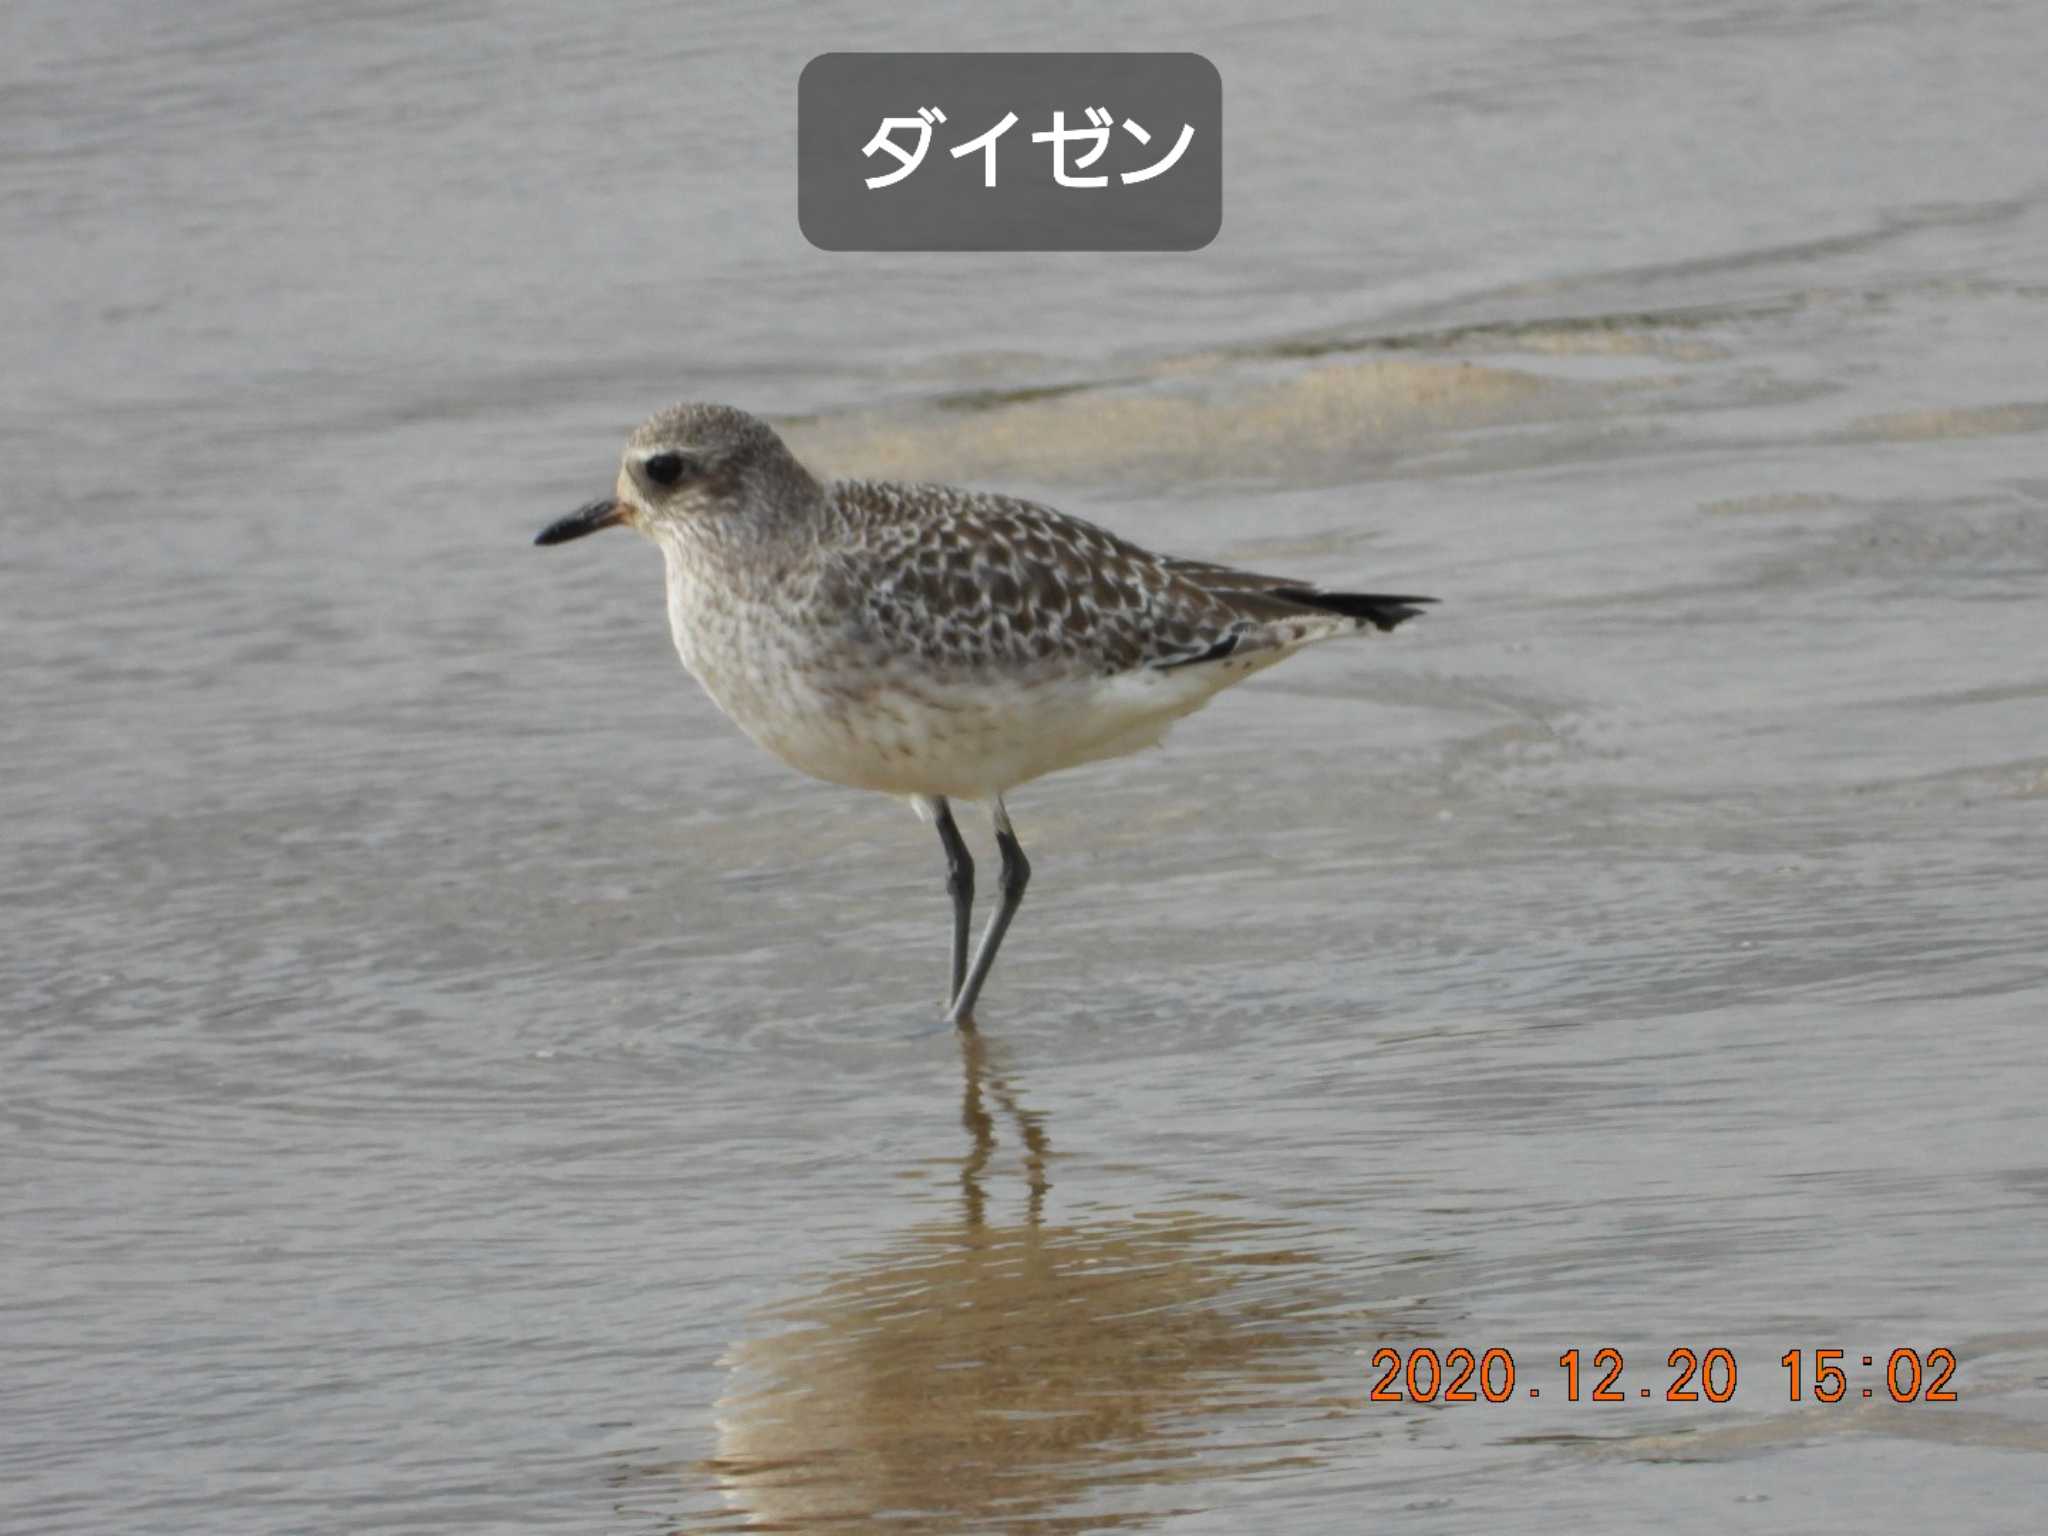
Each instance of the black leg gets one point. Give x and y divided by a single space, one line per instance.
1016 876
959 886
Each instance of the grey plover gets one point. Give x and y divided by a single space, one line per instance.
936 643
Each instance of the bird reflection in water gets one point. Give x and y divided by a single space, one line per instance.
1020 1373
981 1131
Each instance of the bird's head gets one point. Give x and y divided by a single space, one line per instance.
697 465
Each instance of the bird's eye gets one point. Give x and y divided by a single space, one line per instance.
668 468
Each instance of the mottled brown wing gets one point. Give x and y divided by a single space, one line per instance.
971 581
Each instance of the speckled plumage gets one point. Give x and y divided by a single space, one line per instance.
974 582
934 642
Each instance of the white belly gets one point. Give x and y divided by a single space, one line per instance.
886 724
964 741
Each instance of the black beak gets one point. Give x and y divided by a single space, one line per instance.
599 514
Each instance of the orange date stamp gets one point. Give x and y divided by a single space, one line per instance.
1460 1375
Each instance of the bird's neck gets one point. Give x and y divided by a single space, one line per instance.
735 556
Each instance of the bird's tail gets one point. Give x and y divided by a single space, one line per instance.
1377 609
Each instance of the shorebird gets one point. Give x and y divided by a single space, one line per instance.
935 643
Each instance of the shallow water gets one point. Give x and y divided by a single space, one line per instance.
453 1083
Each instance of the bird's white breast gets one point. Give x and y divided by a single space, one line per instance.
801 686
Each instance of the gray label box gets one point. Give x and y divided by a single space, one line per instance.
1149 126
